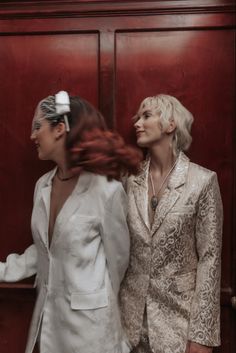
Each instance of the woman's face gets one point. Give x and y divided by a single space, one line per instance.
43 135
147 125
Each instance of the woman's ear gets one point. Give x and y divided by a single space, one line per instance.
171 127
60 130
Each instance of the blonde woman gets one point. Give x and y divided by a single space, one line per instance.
170 296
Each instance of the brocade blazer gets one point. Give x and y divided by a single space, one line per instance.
79 275
175 263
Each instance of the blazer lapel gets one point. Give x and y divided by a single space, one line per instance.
72 203
141 192
45 208
172 192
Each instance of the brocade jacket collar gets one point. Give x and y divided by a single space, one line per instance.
170 196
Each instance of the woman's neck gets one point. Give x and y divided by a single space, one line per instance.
162 159
62 167
63 172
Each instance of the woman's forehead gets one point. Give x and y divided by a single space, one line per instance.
148 104
38 114
39 117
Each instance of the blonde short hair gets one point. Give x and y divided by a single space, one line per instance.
168 108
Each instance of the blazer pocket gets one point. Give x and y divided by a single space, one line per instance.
185 281
82 218
183 210
89 301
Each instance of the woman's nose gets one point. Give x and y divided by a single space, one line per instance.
137 124
33 135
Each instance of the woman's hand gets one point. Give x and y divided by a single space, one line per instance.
193 347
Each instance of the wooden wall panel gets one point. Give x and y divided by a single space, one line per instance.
16 306
32 67
198 67
114 53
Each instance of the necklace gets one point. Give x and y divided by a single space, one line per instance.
64 179
154 199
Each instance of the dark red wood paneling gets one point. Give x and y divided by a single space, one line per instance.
32 67
15 316
114 53
198 67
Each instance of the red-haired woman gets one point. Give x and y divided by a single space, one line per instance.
81 241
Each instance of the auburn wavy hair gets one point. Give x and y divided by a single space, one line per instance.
94 148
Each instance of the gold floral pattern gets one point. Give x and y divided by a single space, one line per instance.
175 264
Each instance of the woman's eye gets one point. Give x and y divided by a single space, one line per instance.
146 115
37 125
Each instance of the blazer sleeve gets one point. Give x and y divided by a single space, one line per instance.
115 236
204 325
18 267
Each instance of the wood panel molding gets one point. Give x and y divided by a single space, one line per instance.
24 291
61 9
17 292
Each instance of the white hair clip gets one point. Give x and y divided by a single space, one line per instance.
62 102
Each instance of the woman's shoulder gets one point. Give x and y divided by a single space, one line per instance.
108 191
199 169
141 174
199 172
47 176
45 179
102 184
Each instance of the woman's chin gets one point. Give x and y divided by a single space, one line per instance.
142 144
42 157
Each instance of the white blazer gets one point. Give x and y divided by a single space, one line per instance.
79 275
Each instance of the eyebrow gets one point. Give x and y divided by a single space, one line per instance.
135 118
147 111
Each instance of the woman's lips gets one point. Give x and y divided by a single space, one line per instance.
138 133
